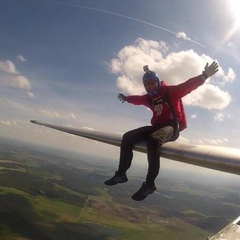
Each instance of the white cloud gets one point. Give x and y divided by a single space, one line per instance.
219 117
31 94
56 114
8 67
227 77
50 114
18 81
182 35
72 116
216 142
21 58
9 123
208 96
231 76
22 82
183 140
10 76
193 116
174 67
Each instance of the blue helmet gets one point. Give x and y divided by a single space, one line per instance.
150 75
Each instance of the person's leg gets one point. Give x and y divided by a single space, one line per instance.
126 153
154 141
128 141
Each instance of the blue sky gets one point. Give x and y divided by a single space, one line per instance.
64 62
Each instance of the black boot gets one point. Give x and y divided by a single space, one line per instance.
142 193
117 178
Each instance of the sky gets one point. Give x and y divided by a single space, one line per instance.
65 61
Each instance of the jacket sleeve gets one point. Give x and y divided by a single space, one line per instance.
137 100
182 89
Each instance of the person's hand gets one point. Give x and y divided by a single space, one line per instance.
121 97
210 70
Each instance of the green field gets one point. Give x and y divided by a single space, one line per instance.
49 195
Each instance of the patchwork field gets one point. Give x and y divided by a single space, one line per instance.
46 194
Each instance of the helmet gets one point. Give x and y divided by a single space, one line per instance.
150 75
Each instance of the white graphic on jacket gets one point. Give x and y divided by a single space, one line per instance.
160 106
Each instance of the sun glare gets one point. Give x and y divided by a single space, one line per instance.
235 9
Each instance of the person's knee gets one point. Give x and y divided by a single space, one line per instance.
127 137
152 142
151 139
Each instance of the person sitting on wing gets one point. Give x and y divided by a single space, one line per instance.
165 103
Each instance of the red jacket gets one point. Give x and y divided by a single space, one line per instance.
159 106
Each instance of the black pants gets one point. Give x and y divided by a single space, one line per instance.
154 136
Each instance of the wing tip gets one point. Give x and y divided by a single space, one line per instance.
35 121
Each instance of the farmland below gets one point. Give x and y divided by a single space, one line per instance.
51 194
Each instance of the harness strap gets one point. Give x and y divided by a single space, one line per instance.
175 120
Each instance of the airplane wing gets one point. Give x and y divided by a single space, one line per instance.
217 158
213 157
230 232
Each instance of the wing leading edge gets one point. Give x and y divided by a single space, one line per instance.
213 157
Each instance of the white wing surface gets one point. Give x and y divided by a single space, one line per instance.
213 157
230 232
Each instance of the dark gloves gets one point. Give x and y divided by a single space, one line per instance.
210 70
121 97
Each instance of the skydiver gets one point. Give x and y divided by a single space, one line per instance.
165 103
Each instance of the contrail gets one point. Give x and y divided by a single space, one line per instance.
127 17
